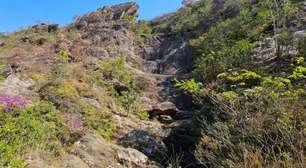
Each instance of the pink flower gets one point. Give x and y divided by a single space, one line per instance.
11 102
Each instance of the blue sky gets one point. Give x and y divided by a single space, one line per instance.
17 14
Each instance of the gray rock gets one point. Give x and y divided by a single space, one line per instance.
300 34
72 161
145 142
92 102
7 70
265 50
53 27
43 27
303 6
97 52
2 44
16 85
25 39
131 156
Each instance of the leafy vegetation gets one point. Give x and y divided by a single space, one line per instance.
245 113
40 126
143 115
1 71
67 98
64 55
190 86
143 30
131 18
115 69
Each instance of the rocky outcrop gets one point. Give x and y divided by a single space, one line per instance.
103 16
108 34
16 84
43 27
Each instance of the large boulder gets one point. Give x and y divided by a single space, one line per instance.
145 142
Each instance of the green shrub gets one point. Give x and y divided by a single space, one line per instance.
242 78
299 73
299 60
115 69
188 18
39 126
143 115
1 71
67 99
143 30
63 55
131 18
232 129
223 47
127 99
58 71
65 89
229 96
99 121
276 84
190 86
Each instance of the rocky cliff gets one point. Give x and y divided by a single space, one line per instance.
181 90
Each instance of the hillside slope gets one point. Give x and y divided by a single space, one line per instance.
219 83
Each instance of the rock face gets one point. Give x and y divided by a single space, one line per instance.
107 14
107 32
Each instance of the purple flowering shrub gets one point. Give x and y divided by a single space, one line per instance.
10 102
